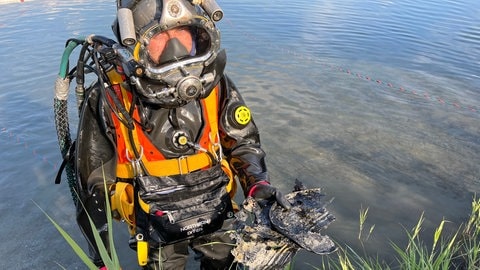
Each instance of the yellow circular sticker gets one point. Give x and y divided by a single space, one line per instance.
242 115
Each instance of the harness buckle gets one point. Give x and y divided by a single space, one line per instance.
180 165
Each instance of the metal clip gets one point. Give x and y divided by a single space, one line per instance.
170 216
137 169
179 160
218 156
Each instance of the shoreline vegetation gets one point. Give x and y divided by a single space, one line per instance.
458 251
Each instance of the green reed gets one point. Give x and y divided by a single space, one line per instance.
458 251
110 259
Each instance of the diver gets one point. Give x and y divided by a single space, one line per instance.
164 135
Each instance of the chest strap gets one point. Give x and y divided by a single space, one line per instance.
182 165
175 166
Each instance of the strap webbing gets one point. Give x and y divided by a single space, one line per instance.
182 165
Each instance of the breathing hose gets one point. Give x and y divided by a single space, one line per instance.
60 108
110 51
60 104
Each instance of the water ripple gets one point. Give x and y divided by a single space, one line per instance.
375 99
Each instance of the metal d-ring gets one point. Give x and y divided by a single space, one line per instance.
135 162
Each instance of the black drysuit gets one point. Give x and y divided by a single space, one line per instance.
96 159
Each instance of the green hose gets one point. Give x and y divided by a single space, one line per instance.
71 45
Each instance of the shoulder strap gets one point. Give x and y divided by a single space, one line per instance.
162 166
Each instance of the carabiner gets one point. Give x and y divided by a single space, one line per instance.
137 168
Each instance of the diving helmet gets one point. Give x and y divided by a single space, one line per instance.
178 46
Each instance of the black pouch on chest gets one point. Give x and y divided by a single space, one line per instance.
185 206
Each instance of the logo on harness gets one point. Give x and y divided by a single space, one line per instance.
195 227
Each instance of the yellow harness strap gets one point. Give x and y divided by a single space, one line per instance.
122 199
182 165
122 202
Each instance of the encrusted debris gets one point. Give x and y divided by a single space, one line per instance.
268 237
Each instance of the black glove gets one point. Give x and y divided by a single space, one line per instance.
264 191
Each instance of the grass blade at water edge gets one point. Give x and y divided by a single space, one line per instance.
76 248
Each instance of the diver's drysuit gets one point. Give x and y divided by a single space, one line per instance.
163 134
168 134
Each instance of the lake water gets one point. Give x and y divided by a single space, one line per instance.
376 101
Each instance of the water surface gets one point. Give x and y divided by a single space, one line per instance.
376 101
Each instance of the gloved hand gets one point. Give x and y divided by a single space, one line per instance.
264 191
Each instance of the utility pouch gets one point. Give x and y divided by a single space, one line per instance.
182 207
